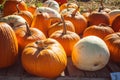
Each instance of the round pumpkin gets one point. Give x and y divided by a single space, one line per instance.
26 34
78 20
96 18
8 46
66 38
100 31
90 53
32 9
116 23
113 43
28 16
10 6
44 58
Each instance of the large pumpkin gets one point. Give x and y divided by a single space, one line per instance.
45 58
10 6
8 46
113 43
90 53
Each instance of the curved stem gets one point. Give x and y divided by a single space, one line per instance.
17 7
75 11
28 30
101 6
64 26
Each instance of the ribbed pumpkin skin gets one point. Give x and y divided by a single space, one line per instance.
116 23
10 6
97 18
100 31
113 43
59 25
67 40
46 58
8 46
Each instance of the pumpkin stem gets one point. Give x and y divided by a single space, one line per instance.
64 26
101 6
28 30
40 44
75 11
49 4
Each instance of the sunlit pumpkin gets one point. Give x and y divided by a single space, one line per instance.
52 4
13 20
59 26
66 38
113 43
42 22
8 46
78 20
44 58
26 34
32 9
90 53
28 16
10 6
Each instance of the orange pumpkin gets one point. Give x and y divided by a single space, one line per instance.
25 14
59 25
32 9
116 23
44 58
113 43
100 31
42 22
8 46
78 20
66 38
68 5
10 6
96 18
27 35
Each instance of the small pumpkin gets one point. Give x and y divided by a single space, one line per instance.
42 22
8 46
44 58
68 5
32 9
78 20
66 38
26 34
25 14
96 18
90 53
113 43
52 4
10 6
60 2
116 23
98 30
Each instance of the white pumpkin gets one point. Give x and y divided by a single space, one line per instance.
52 4
90 53
13 20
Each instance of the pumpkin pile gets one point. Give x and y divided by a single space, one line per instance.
44 36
